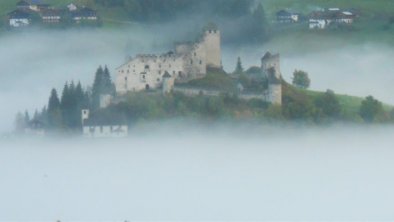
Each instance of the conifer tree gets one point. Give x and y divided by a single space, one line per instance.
239 69
97 88
54 111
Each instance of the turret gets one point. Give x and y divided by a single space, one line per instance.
212 44
269 61
270 65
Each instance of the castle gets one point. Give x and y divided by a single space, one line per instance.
191 61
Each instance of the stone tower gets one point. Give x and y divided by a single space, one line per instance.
212 44
270 65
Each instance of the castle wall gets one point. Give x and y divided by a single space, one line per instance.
275 94
145 72
189 62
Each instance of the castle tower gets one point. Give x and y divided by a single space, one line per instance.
269 62
270 65
168 83
212 44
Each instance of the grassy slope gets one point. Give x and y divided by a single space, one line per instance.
112 17
369 7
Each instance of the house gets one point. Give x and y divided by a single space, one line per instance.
95 127
18 18
285 16
72 7
51 16
324 18
84 14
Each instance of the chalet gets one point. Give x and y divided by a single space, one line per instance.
18 18
84 14
285 16
72 7
51 16
322 19
95 127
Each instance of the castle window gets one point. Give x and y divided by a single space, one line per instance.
159 65
159 72
191 61
146 66
173 72
200 62
125 78
195 54
158 79
128 71
169 65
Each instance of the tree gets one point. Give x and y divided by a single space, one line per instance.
97 87
102 85
54 111
301 79
328 104
239 69
370 109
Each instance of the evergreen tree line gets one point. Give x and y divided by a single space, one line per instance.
63 112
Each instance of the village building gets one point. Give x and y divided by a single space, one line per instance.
51 16
72 7
84 14
19 18
323 19
285 16
96 128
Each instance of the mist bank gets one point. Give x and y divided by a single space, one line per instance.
179 172
36 61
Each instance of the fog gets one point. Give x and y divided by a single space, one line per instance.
171 171
184 170
34 62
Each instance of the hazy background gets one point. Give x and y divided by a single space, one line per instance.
34 62
185 170
227 172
